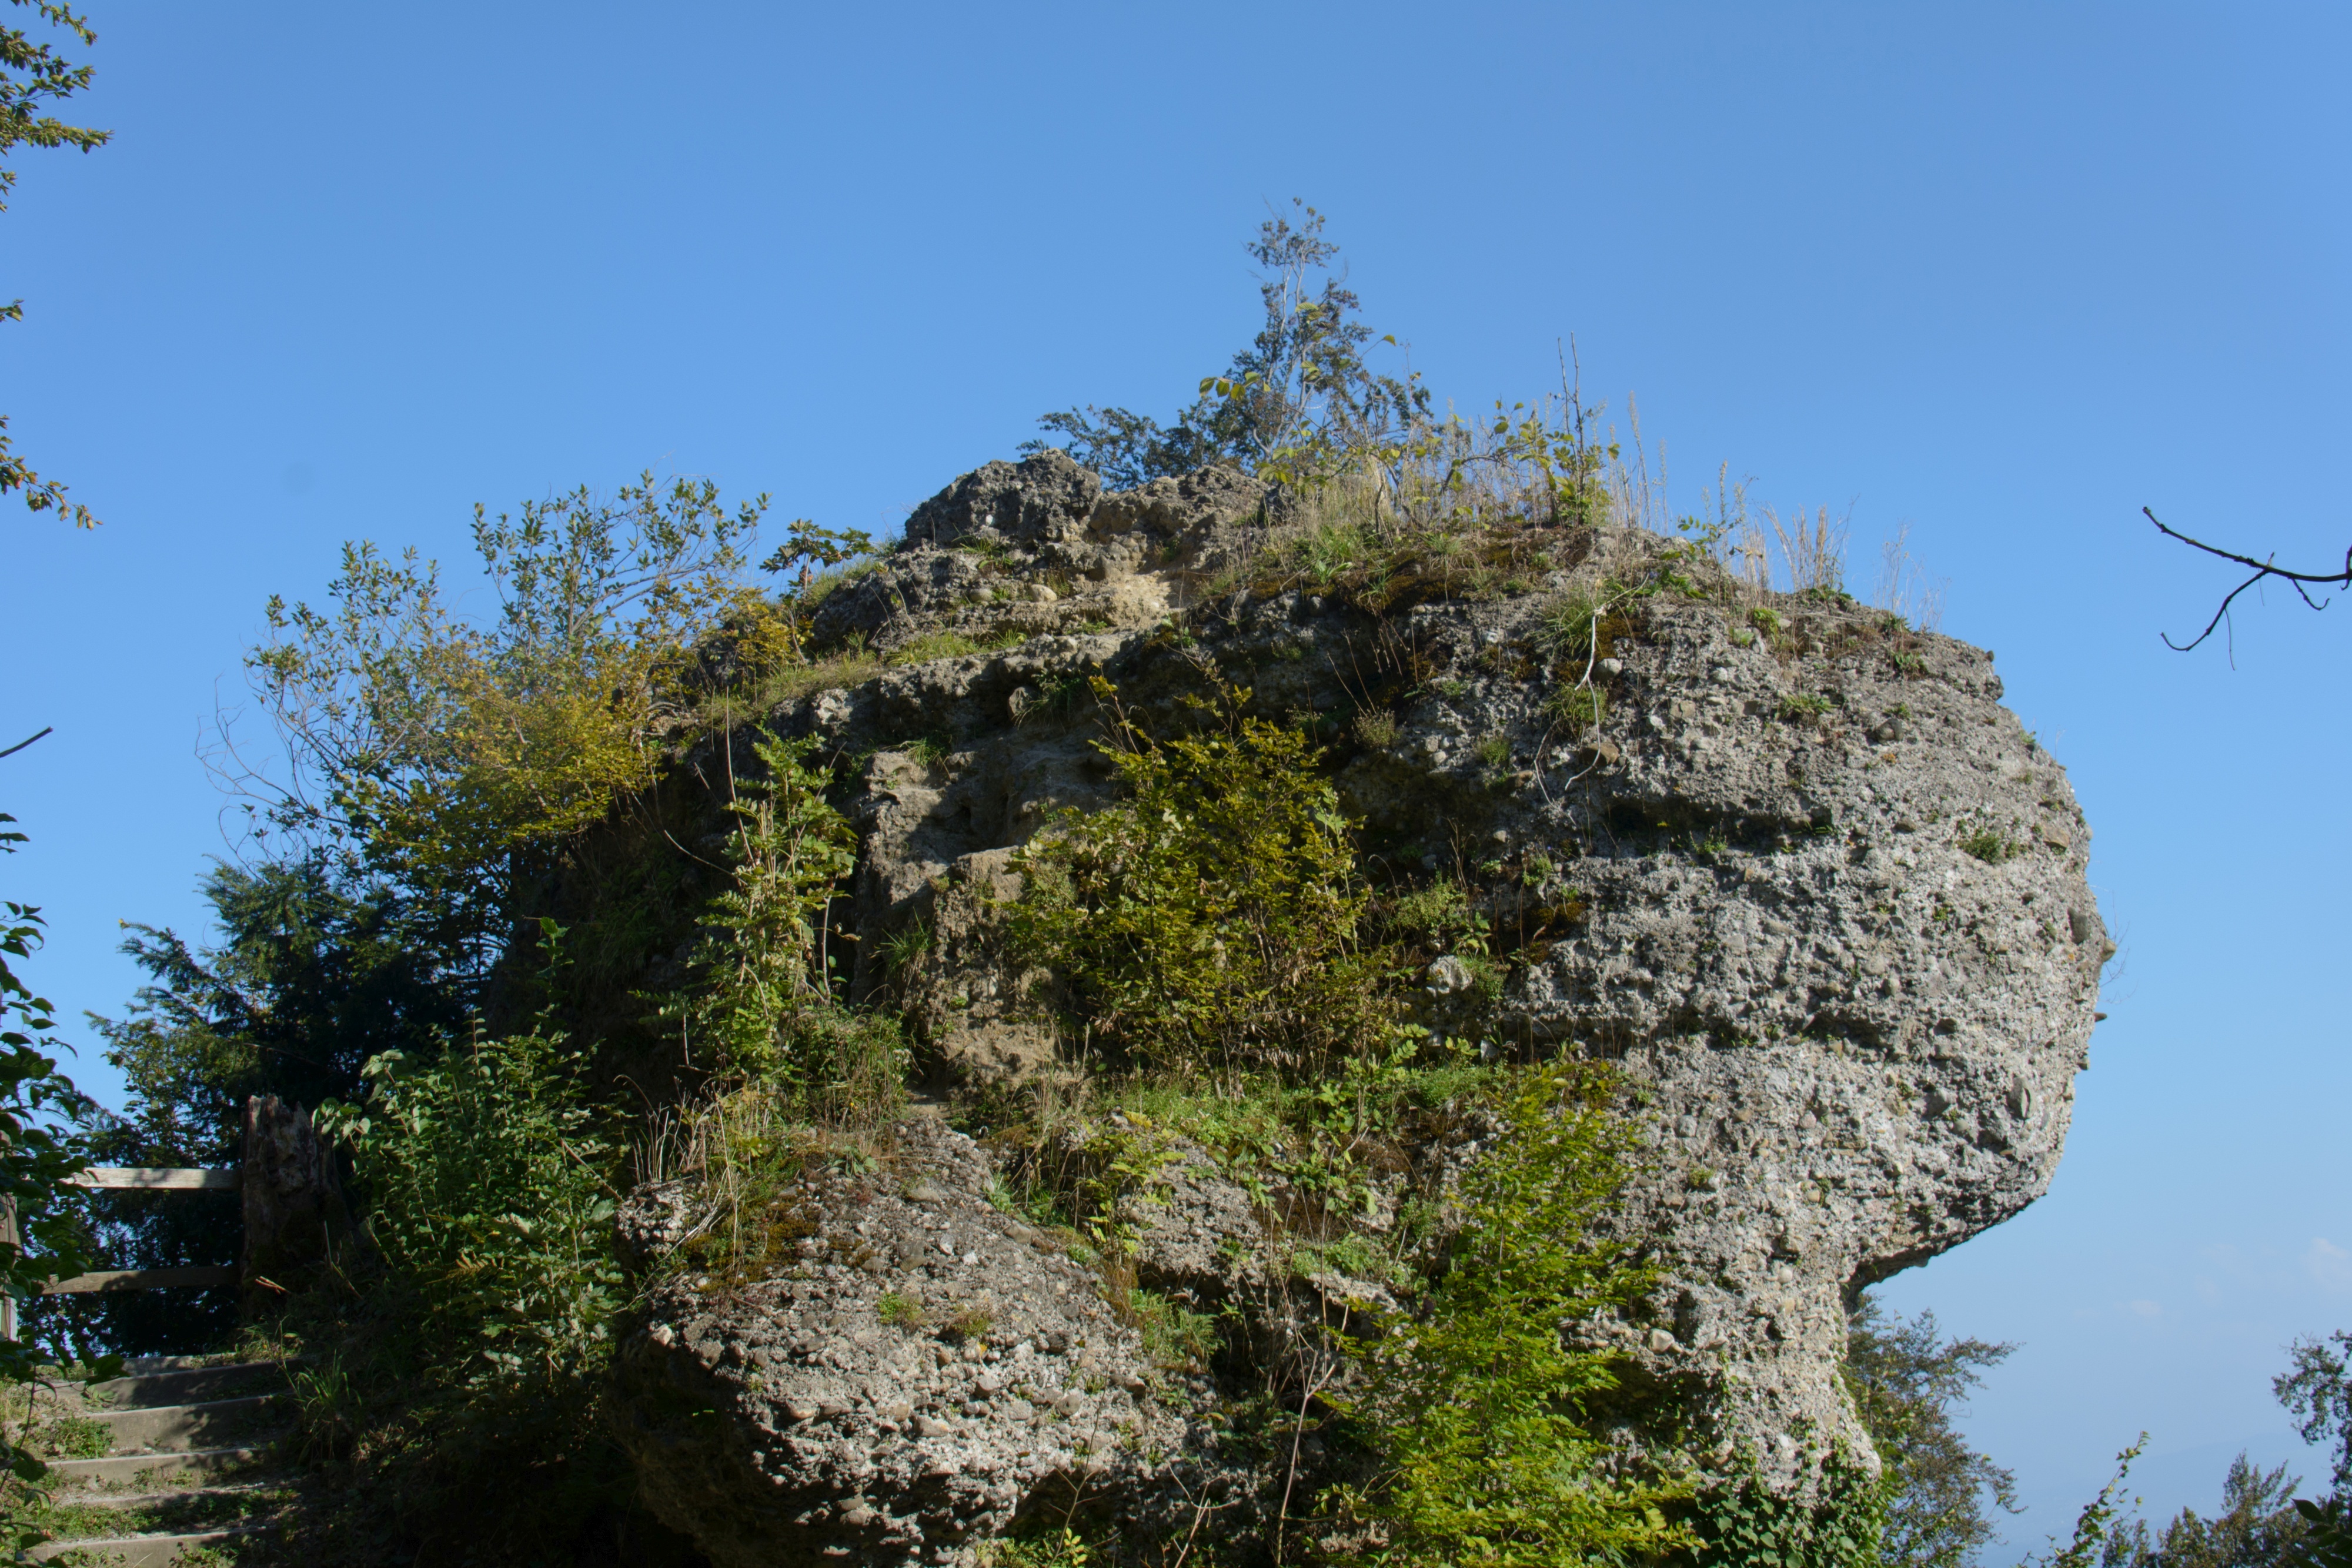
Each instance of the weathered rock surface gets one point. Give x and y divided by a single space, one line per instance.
1035 546
926 1370
1806 880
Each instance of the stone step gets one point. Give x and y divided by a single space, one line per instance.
190 1494
136 1550
170 1429
119 1469
183 1384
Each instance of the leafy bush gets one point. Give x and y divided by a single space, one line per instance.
1804 705
453 1374
1477 1409
1437 914
40 1146
1376 728
1835 1519
766 1006
490 1198
1210 921
1989 844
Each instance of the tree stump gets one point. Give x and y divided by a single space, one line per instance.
293 1203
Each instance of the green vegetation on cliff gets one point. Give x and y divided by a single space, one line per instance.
559 905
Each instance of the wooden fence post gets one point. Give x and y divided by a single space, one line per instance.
8 1236
292 1201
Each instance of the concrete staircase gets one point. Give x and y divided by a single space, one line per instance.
186 1477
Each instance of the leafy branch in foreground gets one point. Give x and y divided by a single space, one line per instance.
40 1146
30 74
2095 1527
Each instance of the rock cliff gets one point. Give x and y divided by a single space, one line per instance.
1788 863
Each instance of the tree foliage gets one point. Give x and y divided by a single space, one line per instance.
1302 406
40 1146
33 75
2258 1527
442 755
1905 1379
2316 1389
1301 386
309 979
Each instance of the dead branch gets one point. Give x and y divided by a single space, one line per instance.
2301 581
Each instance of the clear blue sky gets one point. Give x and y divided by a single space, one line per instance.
2003 272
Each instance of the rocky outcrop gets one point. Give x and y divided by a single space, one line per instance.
1036 548
926 1373
1791 865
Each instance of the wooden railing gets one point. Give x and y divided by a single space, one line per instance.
149 1179
292 1205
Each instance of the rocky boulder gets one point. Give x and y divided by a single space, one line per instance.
916 1373
1785 861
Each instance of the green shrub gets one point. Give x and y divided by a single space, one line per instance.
1578 626
1330 551
1477 1410
1211 920
1834 1519
1173 1334
1991 845
1063 1548
1376 728
1804 705
766 1009
490 1200
1437 913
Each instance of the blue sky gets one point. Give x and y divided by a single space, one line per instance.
2004 273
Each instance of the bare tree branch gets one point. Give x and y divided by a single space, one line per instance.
2262 568
27 741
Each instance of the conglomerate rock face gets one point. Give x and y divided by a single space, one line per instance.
926 1371
1805 881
